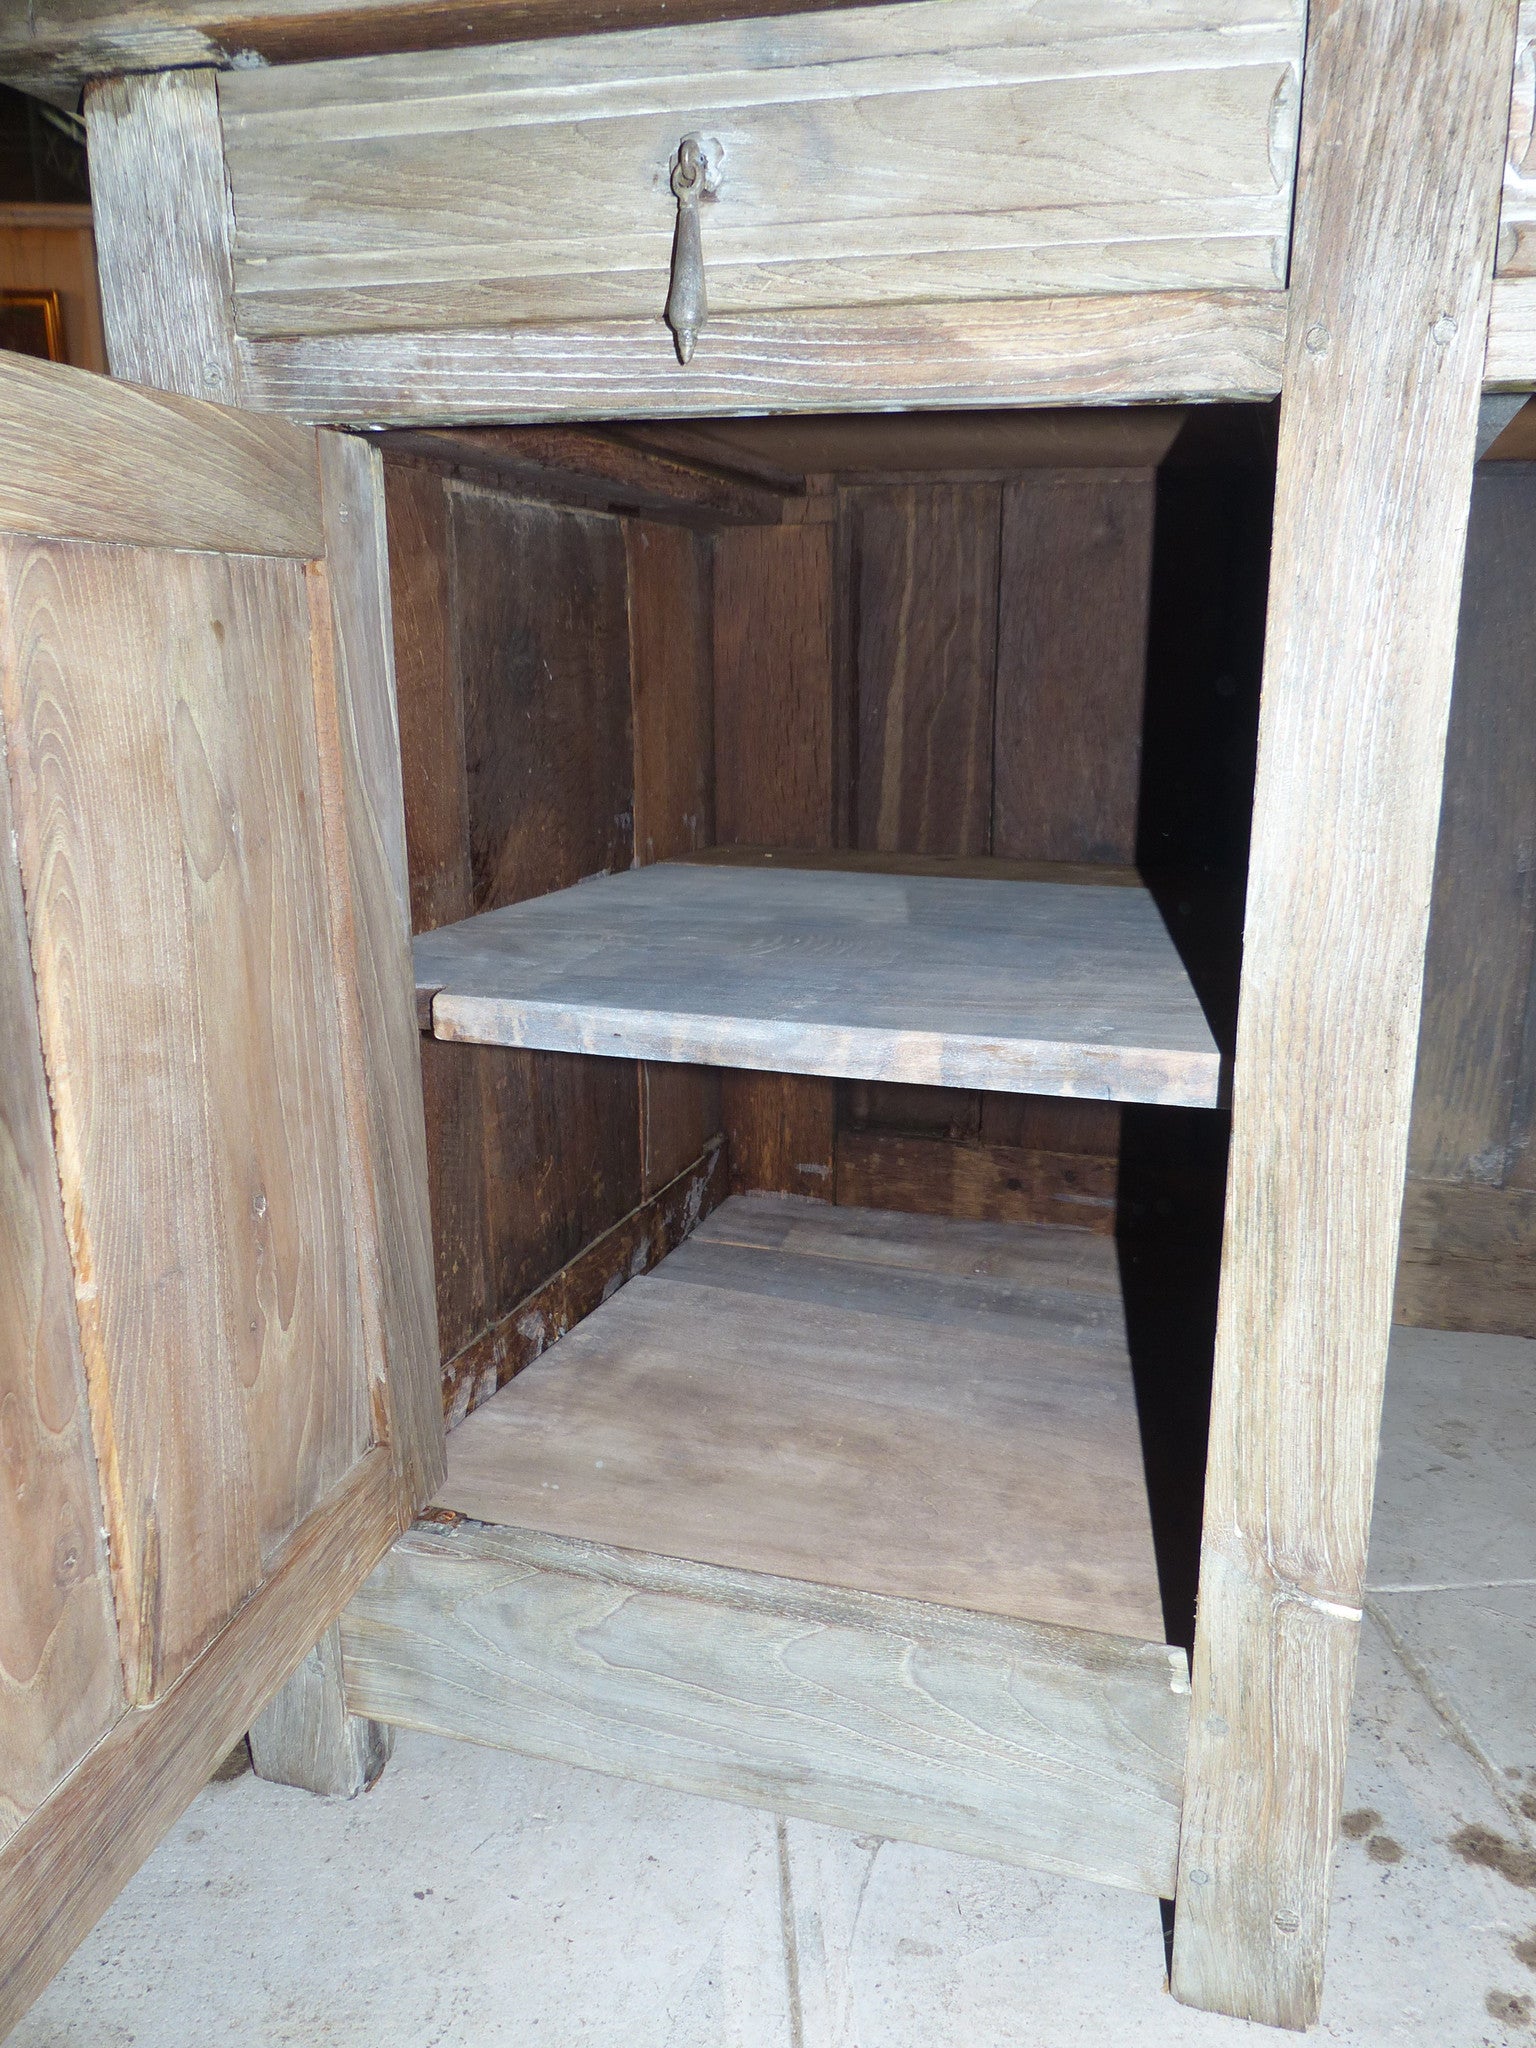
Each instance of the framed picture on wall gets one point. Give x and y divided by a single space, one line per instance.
32 323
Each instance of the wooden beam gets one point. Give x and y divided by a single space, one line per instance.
1043 1746
1111 348
1398 190
52 48
633 1245
581 466
165 233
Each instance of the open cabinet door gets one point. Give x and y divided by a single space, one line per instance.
218 1345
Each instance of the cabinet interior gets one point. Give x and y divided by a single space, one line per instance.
987 644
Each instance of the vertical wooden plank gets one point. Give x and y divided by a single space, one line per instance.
543 652
775 785
1482 927
60 1680
164 232
782 1132
436 798
672 697
671 672
430 709
163 753
774 682
366 861
541 644
1397 205
1076 579
925 569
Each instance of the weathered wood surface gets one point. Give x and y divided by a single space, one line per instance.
1482 930
668 574
61 1684
87 460
1070 991
161 731
1076 579
1102 152
904 447
1103 348
58 44
860 1415
65 1866
998 1738
359 734
633 1246
306 1736
924 577
599 470
987 1181
1467 1258
165 233
775 686
1397 201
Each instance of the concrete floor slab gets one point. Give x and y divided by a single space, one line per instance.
1456 1486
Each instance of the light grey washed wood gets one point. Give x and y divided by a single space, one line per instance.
1033 986
1392 261
304 1736
962 1438
998 1738
946 150
1099 349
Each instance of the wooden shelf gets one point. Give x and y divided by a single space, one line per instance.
838 1511
1040 987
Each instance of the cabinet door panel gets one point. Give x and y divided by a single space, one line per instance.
160 714
214 1241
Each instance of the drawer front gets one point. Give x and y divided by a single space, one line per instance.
935 151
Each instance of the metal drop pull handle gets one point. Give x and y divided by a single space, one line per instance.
693 178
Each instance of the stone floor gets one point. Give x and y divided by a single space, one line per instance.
475 1900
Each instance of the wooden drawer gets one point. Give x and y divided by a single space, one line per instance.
940 150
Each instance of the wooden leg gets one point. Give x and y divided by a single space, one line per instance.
307 1738
1392 259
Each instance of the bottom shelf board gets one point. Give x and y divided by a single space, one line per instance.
914 1406
837 1512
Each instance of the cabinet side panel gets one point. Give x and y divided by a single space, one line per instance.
373 927
60 1681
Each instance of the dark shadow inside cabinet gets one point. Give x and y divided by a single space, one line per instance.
967 641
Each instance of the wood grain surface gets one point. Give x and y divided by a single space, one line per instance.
854 1406
59 44
924 573
631 1246
61 1684
1070 991
93 461
359 731
163 751
60 1871
1397 200
165 232
1102 152
1104 348
1075 587
998 1738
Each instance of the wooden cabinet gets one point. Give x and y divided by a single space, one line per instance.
917 207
